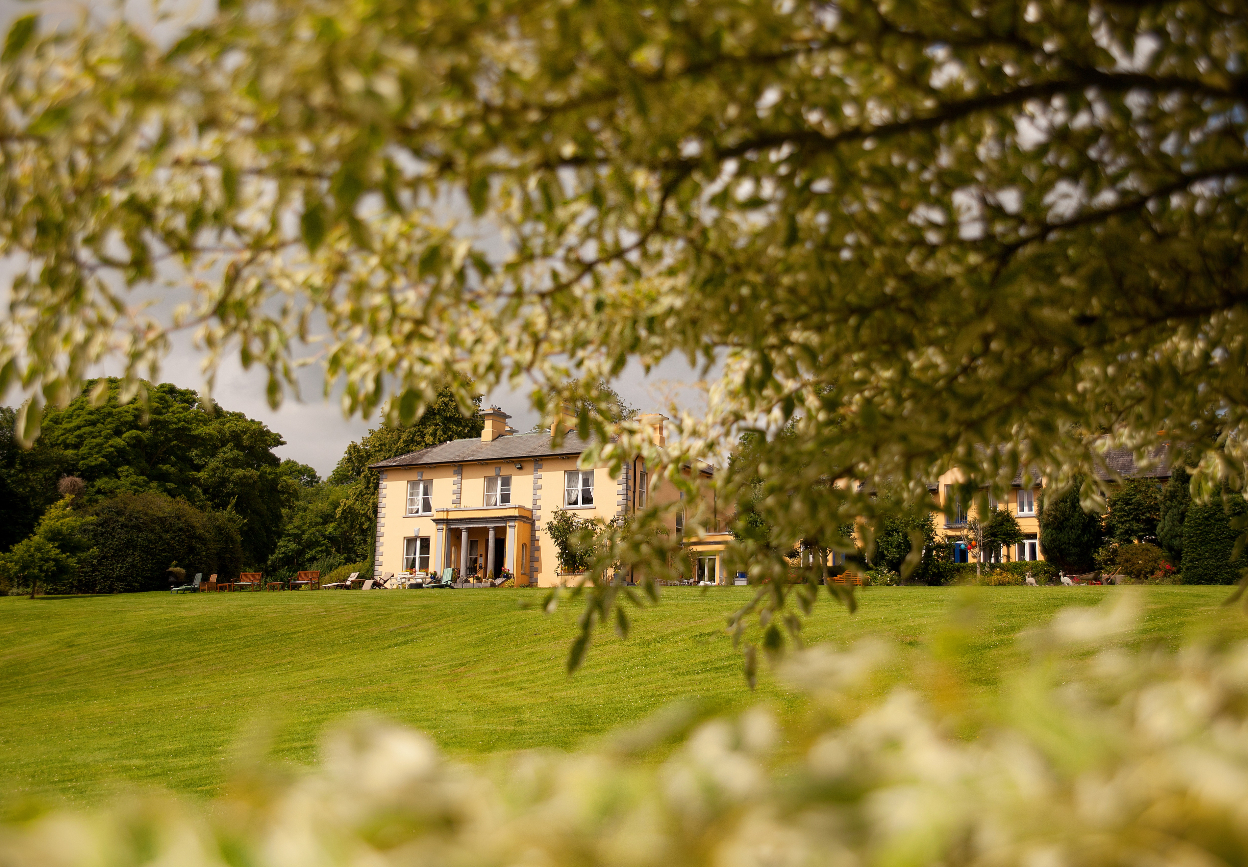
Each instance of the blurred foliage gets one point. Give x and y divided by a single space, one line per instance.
1097 754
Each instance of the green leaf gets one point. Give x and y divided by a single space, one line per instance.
20 34
479 194
28 422
314 225
577 654
621 623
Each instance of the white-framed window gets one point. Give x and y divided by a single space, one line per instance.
578 488
420 497
707 569
1029 549
641 489
1026 502
416 554
988 554
498 490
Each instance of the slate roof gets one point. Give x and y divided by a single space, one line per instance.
1122 461
507 448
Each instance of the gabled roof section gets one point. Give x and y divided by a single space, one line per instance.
508 448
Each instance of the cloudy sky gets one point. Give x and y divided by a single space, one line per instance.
314 428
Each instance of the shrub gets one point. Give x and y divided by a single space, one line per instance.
342 572
1208 541
1138 561
49 558
137 537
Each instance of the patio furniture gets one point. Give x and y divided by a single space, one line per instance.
341 585
248 581
210 585
387 582
274 584
193 587
310 580
368 585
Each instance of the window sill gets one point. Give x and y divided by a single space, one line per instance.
574 508
418 514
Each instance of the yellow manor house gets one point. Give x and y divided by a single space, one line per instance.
478 505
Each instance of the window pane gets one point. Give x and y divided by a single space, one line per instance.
412 497
587 489
504 491
491 491
572 489
409 554
422 561
426 497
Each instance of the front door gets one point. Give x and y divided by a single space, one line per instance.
500 551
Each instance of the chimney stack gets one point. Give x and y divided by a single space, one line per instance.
653 422
495 425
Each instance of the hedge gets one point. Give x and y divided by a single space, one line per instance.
1208 540
136 537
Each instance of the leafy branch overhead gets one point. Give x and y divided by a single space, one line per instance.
929 236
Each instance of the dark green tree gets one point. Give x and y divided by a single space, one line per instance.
27 482
1069 536
137 537
1209 535
313 533
51 556
1000 530
176 445
1176 498
1134 512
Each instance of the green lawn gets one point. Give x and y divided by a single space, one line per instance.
160 689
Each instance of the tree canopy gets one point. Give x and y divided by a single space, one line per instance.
938 235
176 444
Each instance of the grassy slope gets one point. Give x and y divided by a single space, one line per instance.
159 689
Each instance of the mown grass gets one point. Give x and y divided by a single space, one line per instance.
156 689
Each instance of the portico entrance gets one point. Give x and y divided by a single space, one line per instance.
481 543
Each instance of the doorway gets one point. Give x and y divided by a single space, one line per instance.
500 551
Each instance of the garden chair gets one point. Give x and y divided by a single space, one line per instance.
311 580
210 585
193 587
368 585
342 585
249 581
387 582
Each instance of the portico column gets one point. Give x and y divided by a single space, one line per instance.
489 557
463 553
509 559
